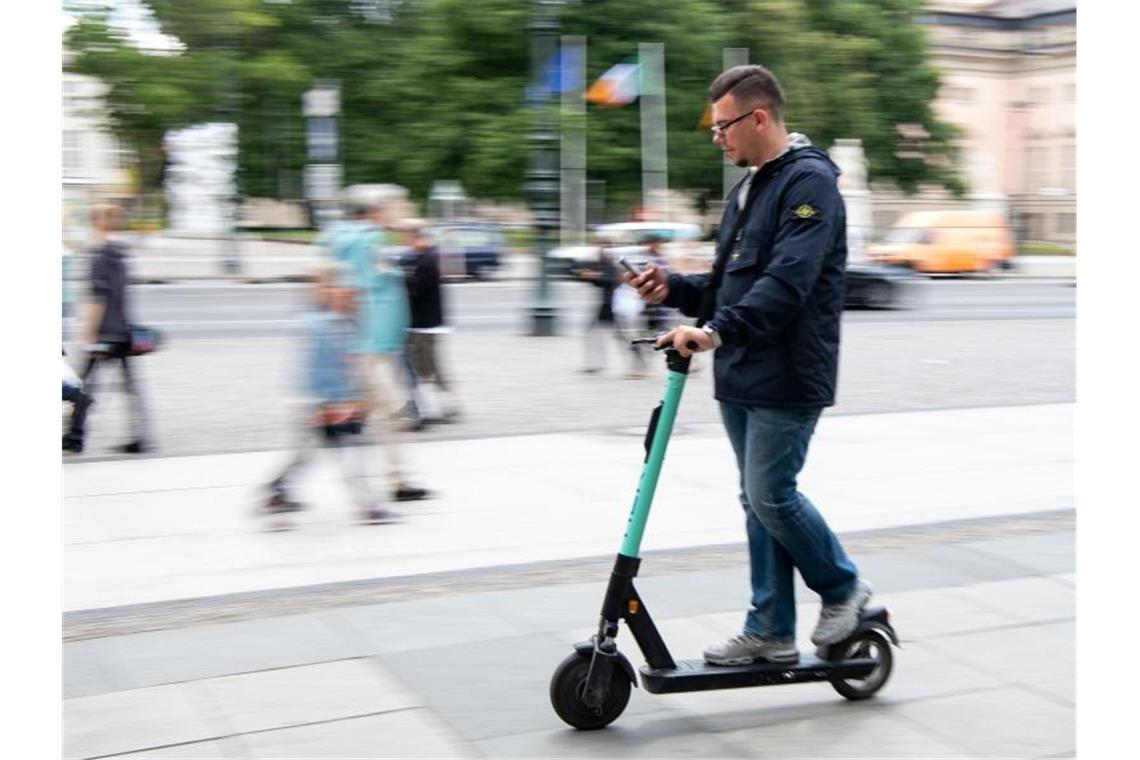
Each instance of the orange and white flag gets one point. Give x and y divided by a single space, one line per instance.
619 86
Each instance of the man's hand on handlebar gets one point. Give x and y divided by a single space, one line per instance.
650 284
688 340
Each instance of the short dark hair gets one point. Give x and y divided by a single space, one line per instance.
750 84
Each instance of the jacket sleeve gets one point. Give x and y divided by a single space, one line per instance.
686 292
805 233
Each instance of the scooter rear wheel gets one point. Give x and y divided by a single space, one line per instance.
870 644
566 688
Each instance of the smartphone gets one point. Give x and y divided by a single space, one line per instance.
629 267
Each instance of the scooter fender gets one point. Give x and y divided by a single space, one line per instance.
586 648
878 619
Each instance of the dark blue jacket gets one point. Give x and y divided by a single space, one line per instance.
779 306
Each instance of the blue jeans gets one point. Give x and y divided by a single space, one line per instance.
785 531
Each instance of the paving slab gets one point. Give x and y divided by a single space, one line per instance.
865 730
439 622
400 734
1027 599
1037 657
1000 723
494 689
124 721
220 749
205 651
648 735
327 691
92 667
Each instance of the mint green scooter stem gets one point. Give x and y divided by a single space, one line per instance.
661 431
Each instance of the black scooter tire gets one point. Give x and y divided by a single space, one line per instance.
861 645
567 684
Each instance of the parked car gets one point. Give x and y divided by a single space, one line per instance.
947 242
683 247
869 285
466 249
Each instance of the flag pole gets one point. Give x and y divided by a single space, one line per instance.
573 180
733 56
654 147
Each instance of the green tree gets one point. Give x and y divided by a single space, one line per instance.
855 68
434 89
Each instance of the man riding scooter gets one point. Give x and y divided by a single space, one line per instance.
775 333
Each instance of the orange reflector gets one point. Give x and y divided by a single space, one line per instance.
633 606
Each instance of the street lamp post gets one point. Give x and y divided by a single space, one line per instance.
229 112
542 177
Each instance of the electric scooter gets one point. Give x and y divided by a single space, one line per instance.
591 687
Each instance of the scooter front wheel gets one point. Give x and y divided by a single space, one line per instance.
868 645
567 686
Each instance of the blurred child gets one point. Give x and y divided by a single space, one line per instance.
335 409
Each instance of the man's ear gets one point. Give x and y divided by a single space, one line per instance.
763 118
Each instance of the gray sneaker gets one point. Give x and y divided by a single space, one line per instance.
747 648
838 621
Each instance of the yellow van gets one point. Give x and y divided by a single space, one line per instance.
947 242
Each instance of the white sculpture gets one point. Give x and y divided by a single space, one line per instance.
852 162
200 185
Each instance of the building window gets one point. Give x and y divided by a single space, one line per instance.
1067 224
1036 169
72 152
1069 167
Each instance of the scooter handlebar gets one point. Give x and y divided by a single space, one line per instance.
692 346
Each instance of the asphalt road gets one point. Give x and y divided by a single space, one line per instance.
188 311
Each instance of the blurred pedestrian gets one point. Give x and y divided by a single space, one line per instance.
72 385
382 314
629 321
334 409
428 326
67 292
772 307
602 274
658 317
106 330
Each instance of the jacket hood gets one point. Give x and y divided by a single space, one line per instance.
800 148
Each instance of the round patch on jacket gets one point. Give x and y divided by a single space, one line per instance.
805 211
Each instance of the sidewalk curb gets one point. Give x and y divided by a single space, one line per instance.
80 625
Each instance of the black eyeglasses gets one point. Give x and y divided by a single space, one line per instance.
719 129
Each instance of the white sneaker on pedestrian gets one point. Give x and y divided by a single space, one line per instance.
838 621
747 648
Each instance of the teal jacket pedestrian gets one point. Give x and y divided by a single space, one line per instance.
382 297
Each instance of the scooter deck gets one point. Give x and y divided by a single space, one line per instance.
697 675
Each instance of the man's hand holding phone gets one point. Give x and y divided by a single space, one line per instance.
649 282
